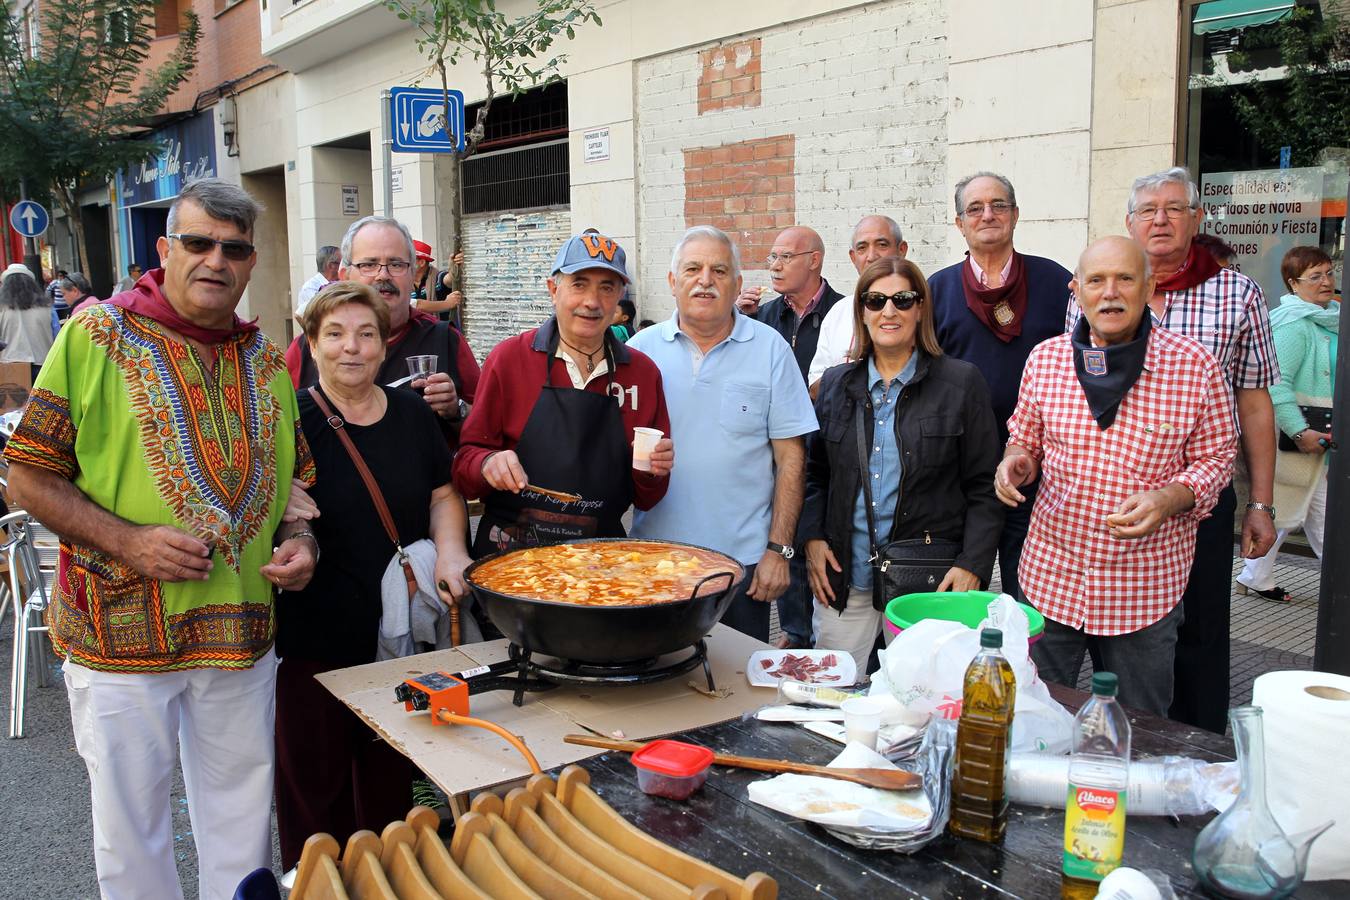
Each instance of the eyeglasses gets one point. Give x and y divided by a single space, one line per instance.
1174 211
786 258
1319 278
200 245
902 300
370 267
999 208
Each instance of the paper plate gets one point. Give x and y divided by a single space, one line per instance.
758 674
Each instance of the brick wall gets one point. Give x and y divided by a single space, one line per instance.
747 189
858 102
729 76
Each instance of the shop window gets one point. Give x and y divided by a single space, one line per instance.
1267 127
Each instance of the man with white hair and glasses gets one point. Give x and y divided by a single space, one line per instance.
1226 312
740 413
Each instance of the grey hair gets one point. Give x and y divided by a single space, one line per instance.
1078 266
701 232
350 237
219 199
1174 175
77 281
328 253
965 183
896 235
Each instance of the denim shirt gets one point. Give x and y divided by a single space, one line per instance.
883 468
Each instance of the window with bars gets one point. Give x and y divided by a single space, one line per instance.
522 161
520 178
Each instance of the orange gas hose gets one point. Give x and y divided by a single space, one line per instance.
450 718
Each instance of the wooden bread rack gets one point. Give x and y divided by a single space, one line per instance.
546 841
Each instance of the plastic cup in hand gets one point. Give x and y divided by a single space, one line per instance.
210 524
862 721
644 442
421 368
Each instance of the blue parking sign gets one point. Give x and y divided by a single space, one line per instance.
28 218
420 120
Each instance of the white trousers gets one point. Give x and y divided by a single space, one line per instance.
130 727
852 631
1259 574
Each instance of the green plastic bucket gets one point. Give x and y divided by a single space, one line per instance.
967 607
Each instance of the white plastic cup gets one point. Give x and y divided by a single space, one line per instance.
644 442
862 721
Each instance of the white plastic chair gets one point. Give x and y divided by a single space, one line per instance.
27 588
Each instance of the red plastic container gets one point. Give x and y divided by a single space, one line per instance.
672 769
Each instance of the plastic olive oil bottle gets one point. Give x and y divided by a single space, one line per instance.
983 739
1099 779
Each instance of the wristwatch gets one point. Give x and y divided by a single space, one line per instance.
1264 507
785 552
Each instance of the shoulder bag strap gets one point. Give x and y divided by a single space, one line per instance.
859 414
386 518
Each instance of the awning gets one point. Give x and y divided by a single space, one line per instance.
1233 15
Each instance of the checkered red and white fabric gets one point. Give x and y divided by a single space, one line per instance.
1227 314
1175 425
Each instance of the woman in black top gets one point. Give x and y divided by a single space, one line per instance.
333 774
931 447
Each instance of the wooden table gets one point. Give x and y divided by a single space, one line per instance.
719 824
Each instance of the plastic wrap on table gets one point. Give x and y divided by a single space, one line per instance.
1159 786
934 763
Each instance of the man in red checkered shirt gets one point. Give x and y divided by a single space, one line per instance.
1131 430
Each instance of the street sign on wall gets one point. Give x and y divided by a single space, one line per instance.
419 120
28 218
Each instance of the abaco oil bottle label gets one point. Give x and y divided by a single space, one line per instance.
1094 832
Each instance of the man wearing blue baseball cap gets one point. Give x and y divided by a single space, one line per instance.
557 407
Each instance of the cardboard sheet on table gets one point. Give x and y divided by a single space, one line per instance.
462 758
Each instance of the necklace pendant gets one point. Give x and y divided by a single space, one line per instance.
1003 313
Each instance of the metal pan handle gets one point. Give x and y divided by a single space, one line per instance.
731 579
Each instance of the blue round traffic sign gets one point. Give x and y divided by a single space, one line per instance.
28 218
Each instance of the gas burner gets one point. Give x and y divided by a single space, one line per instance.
635 672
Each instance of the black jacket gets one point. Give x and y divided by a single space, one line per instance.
779 315
949 447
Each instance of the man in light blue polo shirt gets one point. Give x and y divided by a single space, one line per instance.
740 412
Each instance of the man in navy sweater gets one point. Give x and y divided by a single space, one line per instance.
990 309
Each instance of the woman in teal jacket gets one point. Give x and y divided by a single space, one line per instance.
1305 327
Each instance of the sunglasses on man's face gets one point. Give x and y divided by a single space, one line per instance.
902 300
200 245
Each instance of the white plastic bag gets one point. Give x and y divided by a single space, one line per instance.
924 667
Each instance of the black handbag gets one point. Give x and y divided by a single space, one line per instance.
912 566
1318 419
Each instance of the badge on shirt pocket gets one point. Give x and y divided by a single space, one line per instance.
745 408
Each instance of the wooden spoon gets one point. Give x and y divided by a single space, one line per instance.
885 779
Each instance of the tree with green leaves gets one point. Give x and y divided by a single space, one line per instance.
1309 109
515 54
74 103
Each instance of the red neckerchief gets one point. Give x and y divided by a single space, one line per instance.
1001 309
1199 267
146 298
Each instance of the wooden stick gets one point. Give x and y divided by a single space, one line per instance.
556 495
885 779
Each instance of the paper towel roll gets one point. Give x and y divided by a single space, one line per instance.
1306 717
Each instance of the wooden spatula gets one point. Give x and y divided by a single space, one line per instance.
556 495
886 779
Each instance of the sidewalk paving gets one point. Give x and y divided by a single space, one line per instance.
46 838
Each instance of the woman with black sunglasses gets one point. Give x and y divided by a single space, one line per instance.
930 446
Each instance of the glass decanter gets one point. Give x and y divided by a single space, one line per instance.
1244 853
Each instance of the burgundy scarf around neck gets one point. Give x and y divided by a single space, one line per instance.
146 298
1200 266
1010 297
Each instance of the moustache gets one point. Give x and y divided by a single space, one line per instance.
384 284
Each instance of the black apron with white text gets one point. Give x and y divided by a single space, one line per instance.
575 442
